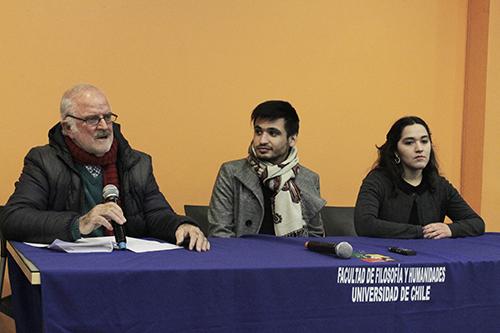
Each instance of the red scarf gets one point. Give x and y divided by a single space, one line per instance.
107 161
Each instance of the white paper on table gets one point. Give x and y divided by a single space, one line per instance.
36 244
106 244
142 245
84 245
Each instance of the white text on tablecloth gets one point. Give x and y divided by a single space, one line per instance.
391 284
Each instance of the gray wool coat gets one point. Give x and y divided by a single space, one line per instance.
237 203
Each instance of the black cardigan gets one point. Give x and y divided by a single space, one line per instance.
383 210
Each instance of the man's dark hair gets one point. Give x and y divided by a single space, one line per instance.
272 110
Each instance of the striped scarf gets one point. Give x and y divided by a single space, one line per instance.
286 200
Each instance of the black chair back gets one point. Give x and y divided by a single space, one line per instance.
199 214
5 302
338 221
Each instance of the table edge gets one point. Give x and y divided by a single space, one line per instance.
29 269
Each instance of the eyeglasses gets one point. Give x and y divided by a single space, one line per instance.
94 120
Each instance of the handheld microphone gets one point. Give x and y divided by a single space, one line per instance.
341 250
110 193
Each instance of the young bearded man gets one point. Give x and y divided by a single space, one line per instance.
268 192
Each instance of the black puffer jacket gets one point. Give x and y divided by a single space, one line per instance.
49 195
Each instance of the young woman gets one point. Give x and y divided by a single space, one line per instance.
404 196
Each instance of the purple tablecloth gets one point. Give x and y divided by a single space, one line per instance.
266 284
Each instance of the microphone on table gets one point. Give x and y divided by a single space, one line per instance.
341 250
110 193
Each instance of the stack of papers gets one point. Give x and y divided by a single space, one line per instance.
106 244
83 245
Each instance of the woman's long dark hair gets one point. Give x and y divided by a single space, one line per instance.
386 161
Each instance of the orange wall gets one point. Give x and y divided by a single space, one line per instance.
184 76
476 72
491 162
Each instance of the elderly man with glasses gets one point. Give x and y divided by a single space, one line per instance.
59 193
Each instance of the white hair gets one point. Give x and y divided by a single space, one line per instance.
68 103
